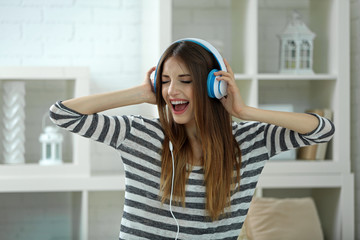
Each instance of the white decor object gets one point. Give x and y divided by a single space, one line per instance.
14 122
51 144
296 47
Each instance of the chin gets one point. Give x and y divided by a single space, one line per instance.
183 120
180 120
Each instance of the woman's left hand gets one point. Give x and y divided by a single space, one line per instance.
232 102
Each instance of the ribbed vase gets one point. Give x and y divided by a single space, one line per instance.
14 122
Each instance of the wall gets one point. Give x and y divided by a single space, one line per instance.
103 35
106 37
355 101
204 19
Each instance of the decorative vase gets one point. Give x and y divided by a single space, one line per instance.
14 122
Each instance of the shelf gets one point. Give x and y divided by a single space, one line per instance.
302 93
302 167
296 77
43 87
246 34
275 76
274 175
36 170
299 181
63 184
319 16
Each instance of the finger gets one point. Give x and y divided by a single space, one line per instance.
223 73
223 78
227 78
150 71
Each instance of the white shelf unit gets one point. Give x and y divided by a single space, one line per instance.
63 198
55 194
44 86
240 25
246 32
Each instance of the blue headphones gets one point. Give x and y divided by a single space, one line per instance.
216 89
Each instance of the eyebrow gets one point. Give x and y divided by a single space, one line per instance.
181 75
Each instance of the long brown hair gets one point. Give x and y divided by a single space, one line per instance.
221 153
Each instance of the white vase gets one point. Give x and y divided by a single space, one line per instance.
14 122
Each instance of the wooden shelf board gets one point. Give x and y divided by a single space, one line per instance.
300 181
303 167
296 77
63 184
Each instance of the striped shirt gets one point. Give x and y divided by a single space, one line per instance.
139 141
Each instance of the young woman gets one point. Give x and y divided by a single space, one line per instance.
191 173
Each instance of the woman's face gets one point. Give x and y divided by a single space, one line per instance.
177 90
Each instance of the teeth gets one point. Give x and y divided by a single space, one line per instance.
178 102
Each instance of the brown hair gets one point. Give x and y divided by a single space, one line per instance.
221 153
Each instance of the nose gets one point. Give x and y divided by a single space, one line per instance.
173 89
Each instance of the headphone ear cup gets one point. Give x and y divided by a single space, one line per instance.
216 89
211 83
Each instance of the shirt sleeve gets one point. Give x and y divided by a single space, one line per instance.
111 130
278 139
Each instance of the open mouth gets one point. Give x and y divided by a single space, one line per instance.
179 106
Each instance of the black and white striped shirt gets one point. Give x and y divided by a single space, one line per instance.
139 141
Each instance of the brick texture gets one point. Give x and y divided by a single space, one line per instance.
106 37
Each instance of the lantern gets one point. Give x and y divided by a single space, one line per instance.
296 47
51 141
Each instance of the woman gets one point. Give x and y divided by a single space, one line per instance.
203 187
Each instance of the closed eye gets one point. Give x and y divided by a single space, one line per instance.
185 78
186 81
165 79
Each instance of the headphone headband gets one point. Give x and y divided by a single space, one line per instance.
210 48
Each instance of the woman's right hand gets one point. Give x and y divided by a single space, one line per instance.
148 86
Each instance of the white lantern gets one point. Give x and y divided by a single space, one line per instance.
296 47
51 141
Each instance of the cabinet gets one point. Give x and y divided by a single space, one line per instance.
47 201
246 32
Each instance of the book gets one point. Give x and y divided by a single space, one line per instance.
322 147
317 151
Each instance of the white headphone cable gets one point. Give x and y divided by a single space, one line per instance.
172 187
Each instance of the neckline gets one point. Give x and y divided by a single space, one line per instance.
194 167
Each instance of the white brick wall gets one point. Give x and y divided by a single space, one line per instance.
106 37
103 35
355 111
